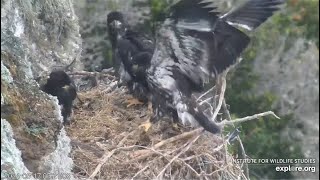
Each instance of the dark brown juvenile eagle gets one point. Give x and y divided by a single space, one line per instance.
193 45
59 84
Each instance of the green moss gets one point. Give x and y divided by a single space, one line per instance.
15 107
36 130
13 119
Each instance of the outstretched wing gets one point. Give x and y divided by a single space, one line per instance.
252 13
202 43
198 42
207 51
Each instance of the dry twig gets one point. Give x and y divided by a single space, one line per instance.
248 118
147 153
221 97
243 152
174 158
105 158
96 74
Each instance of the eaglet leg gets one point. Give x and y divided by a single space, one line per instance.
146 125
133 101
176 125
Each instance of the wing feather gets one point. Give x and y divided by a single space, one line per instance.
252 13
193 8
200 53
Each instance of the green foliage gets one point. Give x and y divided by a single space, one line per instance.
158 13
113 5
158 10
299 19
36 130
107 54
262 138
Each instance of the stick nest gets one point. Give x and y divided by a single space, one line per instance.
107 143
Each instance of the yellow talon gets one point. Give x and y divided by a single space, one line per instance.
133 101
146 126
175 126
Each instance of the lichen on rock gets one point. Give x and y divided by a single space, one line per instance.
11 162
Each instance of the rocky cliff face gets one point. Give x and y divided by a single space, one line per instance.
36 36
291 72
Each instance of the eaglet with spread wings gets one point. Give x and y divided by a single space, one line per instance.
193 45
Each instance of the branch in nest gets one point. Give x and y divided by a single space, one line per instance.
196 131
177 156
86 73
243 152
241 120
204 94
147 153
143 169
105 158
97 152
248 118
221 97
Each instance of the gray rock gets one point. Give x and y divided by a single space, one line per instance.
293 76
36 36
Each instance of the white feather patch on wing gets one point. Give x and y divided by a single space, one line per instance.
193 49
185 117
240 25
201 25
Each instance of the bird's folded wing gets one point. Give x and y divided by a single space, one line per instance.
141 41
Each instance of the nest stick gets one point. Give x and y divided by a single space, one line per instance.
248 118
143 169
147 153
221 97
86 73
177 156
243 152
105 158
211 89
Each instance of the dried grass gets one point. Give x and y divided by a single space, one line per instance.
108 144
